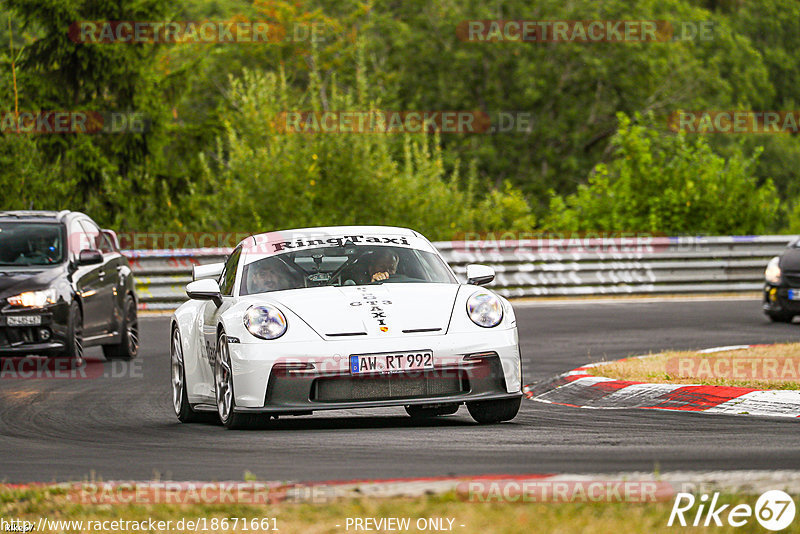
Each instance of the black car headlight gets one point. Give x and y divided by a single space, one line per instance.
34 299
772 274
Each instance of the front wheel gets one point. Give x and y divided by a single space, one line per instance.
223 387
496 411
180 399
74 350
128 347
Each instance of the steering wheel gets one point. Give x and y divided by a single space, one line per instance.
34 255
392 278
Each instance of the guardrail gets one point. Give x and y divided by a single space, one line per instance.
540 267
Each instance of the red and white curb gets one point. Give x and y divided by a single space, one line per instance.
580 389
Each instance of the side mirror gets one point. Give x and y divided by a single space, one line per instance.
205 289
479 275
112 236
90 257
211 270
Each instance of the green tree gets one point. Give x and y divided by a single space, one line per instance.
57 73
28 180
675 184
277 179
573 89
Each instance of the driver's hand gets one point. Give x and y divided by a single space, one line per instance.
377 277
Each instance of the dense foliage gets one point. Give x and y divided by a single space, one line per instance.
667 184
596 154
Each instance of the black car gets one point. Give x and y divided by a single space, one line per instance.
782 286
64 285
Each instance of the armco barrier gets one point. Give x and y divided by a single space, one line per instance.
540 267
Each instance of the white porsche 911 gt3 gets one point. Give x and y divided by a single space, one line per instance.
339 318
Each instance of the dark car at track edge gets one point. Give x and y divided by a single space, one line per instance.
781 297
64 286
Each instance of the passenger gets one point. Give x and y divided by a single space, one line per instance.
264 277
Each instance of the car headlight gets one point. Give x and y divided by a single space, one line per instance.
34 299
485 309
773 271
266 322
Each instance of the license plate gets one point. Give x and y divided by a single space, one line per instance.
392 362
24 320
794 294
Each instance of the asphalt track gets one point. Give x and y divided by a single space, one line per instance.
123 428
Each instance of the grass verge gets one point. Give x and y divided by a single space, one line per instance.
767 367
31 504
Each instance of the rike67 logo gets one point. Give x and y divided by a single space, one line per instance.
774 510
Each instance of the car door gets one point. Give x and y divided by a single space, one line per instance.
107 280
86 279
211 312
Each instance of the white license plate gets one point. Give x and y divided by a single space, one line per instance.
24 320
392 362
794 294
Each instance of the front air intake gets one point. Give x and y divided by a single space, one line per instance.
384 387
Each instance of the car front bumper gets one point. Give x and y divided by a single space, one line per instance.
775 299
29 340
310 376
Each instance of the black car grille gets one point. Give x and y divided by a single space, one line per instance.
17 335
383 387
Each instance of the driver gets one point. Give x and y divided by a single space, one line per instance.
39 248
264 278
383 264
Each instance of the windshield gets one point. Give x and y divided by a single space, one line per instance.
349 265
24 244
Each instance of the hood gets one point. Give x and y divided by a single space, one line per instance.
384 310
14 281
790 260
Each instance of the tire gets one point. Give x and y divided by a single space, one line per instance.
128 347
780 317
180 399
490 412
223 390
425 412
74 350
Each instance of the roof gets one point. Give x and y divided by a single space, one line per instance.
34 215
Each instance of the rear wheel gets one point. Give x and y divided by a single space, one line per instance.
128 347
223 386
496 411
180 399
74 350
425 412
